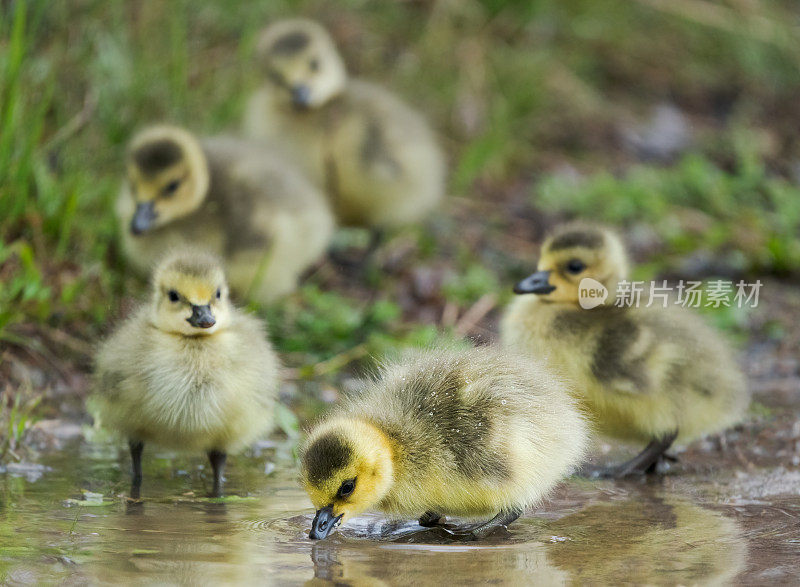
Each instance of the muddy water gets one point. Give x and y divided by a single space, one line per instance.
66 521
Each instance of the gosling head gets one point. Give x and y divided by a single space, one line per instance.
190 295
573 252
301 62
346 468
167 175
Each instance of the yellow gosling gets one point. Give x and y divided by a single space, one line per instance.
375 156
654 375
187 371
234 197
471 433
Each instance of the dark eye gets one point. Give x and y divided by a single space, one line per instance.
173 295
172 187
575 266
347 488
313 65
219 293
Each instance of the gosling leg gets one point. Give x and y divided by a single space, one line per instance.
361 264
504 518
136 447
661 465
376 239
645 462
218 459
431 519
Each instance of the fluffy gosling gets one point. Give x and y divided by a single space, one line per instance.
654 375
444 432
188 370
236 198
375 156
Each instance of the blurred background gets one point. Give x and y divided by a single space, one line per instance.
674 120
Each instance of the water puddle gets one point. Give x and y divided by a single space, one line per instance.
67 521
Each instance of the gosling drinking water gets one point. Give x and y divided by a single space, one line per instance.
476 433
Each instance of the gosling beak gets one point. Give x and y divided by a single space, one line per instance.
324 523
143 218
301 97
537 283
201 317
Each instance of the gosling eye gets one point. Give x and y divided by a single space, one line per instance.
346 488
575 266
313 65
172 187
219 293
173 295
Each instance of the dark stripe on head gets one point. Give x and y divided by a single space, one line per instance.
157 156
577 238
326 455
290 43
194 268
193 264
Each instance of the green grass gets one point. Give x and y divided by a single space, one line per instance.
325 331
748 216
515 90
17 416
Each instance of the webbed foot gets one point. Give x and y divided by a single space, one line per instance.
652 460
501 520
431 519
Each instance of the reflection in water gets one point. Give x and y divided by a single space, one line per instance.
174 538
394 564
649 540
183 544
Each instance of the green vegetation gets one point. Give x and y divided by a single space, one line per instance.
17 417
324 331
518 90
748 215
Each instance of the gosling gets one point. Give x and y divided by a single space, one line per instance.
444 432
233 197
375 156
187 371
649 374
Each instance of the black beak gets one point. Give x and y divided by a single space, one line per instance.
536 283
143 218
301 96
323 523
201 317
